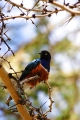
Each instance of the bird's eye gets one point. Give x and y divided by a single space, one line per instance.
45 53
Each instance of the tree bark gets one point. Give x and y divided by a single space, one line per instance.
7 82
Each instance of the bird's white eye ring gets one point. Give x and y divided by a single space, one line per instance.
45 53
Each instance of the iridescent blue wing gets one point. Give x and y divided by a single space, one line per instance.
32 65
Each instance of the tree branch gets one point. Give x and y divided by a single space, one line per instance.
64 7
32 16
7 82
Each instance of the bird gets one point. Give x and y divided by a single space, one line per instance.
40 67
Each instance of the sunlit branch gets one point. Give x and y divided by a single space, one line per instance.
7 82
32 16
64 7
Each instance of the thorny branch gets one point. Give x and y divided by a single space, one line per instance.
51 101
39 10
43 11
36 113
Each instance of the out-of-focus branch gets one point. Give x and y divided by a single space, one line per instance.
64 7
51 101
43 12
21 6
29 79
32 16
7 82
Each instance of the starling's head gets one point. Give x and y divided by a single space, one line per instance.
44 54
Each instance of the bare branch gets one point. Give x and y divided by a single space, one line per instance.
64 7
29 79
7 82
51 101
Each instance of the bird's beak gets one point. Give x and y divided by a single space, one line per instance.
40 53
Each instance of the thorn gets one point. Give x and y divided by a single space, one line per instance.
21 4
50 1
52 101
8 100
3 87
10 75
33 15
22 14
49 15
0 66
64 2
56 11
13 17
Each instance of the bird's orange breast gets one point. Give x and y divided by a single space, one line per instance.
41 72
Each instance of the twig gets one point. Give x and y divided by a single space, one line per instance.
27 9
51 101
29 79
10 66
28 17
